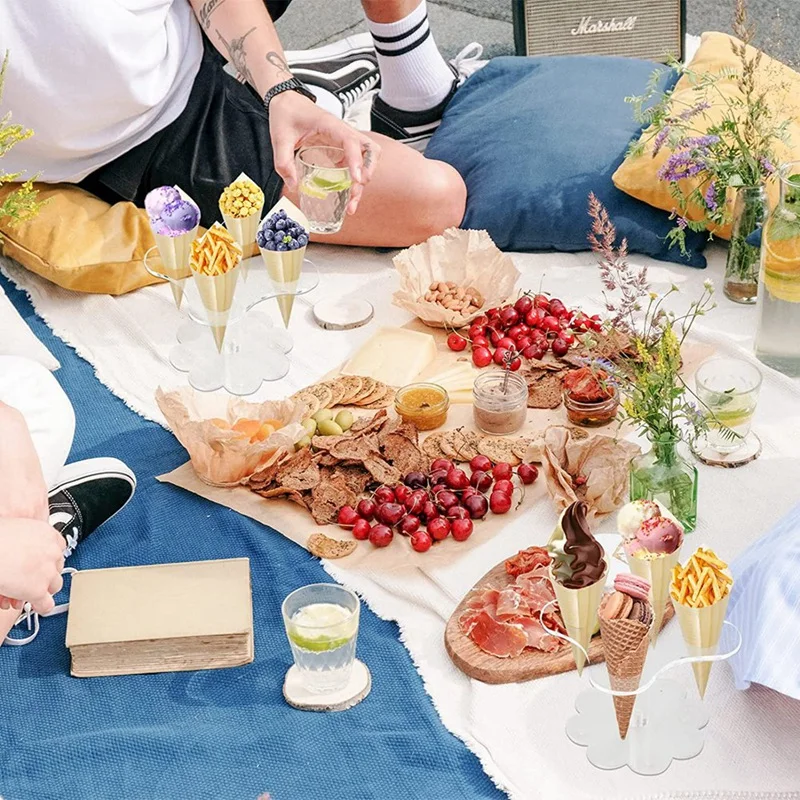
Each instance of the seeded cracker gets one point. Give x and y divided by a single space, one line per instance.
520 446
322 393
367 388
378 393
337 392
382 402
544 390
323 546
310 400
430 446
460 444
352 387
498 449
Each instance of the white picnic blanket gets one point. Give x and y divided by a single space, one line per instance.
753 739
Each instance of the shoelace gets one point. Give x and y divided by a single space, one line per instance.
72 541
351 96
31 618
468 61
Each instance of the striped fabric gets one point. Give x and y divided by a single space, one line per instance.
765 606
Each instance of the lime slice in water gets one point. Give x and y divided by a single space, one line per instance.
328 180
322 626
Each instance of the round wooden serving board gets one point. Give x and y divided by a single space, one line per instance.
472 661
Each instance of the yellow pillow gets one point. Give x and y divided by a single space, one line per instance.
82 243
637 175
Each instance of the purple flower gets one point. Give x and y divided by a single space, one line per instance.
766 165
660 139
680 165
699 142
694 110
682 223
711 196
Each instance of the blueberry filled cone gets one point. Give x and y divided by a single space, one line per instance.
578 575
625 619
241 205
215 261
652 540
174 218
282 242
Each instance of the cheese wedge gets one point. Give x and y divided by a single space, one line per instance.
395 356
456 379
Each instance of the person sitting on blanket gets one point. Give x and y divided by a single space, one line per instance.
125 95
46 508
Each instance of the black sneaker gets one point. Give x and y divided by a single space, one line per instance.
88 493
415 128
348 69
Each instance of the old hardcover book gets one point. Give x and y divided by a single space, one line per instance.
160 618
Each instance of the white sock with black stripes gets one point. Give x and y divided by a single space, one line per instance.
414 75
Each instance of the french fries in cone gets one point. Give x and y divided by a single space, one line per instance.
700 592
215 262
656 569
241 204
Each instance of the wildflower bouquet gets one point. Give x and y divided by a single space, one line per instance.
735 152
19 204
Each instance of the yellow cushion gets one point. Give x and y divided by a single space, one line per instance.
82 243
637 175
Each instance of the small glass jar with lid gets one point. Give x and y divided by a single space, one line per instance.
423 404
500 402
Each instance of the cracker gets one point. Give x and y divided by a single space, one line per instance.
367 388
323 546
355 476
299 473
497 449
520 446
382 470
310 399
337 392
351 386
328 497
382 402
430 446
460 444
379 391
322 393
545 390
578 433
404 454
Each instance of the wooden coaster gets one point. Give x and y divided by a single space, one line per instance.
297 696
342 314
749 451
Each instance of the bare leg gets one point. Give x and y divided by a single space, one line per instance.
384 11
409 199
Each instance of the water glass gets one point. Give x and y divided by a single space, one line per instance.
728 388
324 187
321 623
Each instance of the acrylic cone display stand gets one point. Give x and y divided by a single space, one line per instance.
667 721
248 348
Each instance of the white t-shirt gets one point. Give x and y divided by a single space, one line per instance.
93 78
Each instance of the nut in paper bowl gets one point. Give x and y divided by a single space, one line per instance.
463 257
224 455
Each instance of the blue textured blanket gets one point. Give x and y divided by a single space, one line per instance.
221 734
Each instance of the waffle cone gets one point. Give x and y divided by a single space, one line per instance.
701 629
174 252
658 572
284 270
578 609
216 292
625 643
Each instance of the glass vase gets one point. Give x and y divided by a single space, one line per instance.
778 332
741 269
663 474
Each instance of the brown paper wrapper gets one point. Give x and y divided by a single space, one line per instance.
658 573
467 258
701 629
625 643
220 456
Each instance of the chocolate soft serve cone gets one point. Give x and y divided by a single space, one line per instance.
174 219
578 576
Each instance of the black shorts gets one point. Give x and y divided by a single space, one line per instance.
223 131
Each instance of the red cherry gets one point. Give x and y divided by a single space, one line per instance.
495 337
446 499
457 479
499 502
457 512
538 336
481 357
462 529
347 516
470 491
596 326
507 343
390 513
557 308
384 495
541 301
429 510
528 473
441 463
481 319
523 342
535 351
551 325
361 530
480 341
438 476
504 485
509 316
410 524
477 330
477 505
402 492
480 462
515 331
421 541
456 342
492 312
502 471
560 347
415 501
515 364
568 337
500 355
439 528
381 536
366 508
523 305
481 480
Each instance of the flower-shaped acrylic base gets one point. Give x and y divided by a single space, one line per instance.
666 724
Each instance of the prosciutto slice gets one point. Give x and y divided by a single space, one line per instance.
511 603
499 639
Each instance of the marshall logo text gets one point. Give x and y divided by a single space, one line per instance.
586 26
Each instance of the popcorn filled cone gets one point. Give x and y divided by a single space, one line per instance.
657 571
578 609
241 204
625 643
284 270
701 629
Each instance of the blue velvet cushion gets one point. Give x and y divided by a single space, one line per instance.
533 136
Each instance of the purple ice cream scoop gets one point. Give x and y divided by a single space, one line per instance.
158 200
170 213
181 217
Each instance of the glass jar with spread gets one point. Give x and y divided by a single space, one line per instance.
424 404
500 401
591 399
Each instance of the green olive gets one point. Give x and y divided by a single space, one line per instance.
301 443
329 428
310 425
323 414
344 419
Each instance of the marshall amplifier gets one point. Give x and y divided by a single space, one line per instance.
651 29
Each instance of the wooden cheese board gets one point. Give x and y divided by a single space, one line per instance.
531 664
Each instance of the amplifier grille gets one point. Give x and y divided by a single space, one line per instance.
645 29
